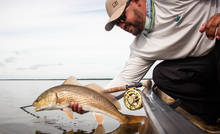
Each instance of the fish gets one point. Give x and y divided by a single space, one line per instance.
90 97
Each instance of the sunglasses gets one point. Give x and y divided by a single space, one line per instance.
122 18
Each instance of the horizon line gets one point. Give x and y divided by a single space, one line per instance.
32 79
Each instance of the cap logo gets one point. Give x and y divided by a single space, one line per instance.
114 4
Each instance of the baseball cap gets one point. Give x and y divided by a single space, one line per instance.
114 8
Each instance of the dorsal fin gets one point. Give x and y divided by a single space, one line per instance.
95 87
100 90
71 81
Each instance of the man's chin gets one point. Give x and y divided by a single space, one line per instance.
135 33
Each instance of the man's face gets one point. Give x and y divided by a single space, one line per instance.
133 19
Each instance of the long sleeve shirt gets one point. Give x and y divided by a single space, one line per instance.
175 35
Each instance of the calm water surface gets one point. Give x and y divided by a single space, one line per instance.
13 120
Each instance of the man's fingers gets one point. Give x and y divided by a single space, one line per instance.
71 104
218 33
202 29
75 106
79 109
211 33
211 27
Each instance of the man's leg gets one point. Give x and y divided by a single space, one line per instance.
194 80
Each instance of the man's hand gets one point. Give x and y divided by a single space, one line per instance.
212 27
77 108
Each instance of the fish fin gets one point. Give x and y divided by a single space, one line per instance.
71 81
68 112
100 90
95 87
131 119
61 100
99 130
70 132
99 118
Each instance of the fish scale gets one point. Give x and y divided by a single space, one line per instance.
59 96
84 101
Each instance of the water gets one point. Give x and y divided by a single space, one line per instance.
16 93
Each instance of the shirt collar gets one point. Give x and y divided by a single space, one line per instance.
150 13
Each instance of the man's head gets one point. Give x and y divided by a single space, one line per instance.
130 15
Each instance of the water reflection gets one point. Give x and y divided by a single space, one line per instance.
139 128
39 132
15 94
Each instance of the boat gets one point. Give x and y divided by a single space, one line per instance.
166 117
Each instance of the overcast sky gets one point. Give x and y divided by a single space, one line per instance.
58 39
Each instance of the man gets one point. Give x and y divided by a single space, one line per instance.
185 34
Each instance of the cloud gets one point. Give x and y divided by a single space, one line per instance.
37 66
2 65
21 68
10 59
29 17
48 7
36 35
17 53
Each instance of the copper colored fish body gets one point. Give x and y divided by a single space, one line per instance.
59 97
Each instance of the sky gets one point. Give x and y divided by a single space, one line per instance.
58 39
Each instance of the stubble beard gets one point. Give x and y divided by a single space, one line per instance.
138 23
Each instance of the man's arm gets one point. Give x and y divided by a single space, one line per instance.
212 27
133 71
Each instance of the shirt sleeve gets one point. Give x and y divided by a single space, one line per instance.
133 71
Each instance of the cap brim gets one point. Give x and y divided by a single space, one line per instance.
109 26
114 17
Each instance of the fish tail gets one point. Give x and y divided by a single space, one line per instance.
131 119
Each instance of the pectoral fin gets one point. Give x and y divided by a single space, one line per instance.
69 112
61 100
95 87
71 81
99 118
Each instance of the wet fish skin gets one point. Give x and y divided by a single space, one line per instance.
46 101
59 97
